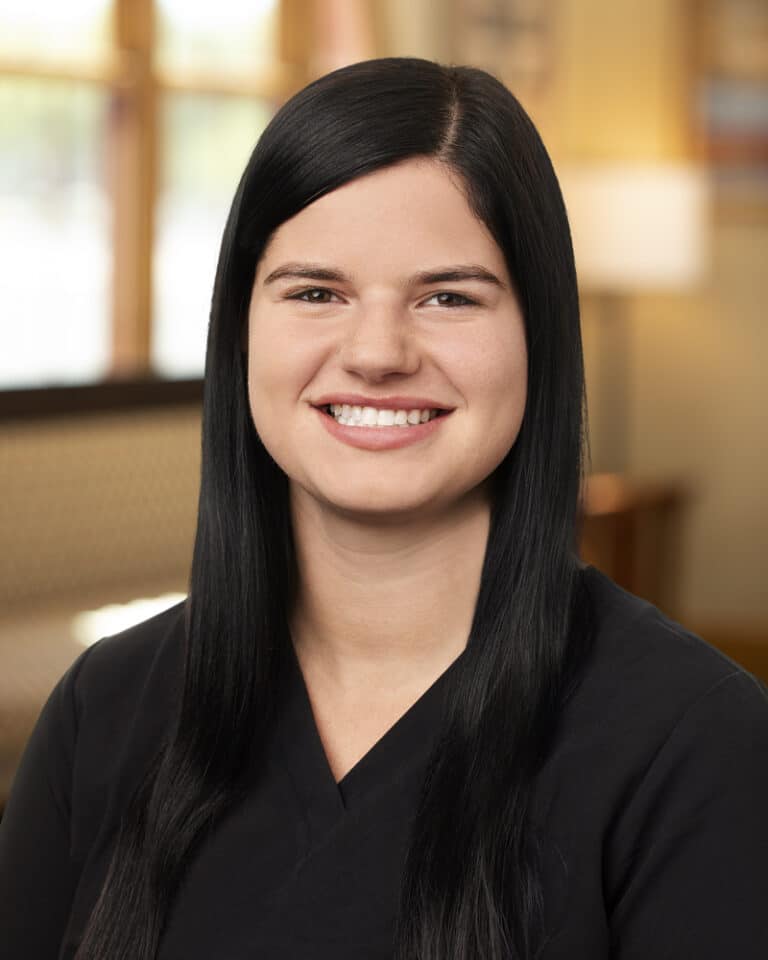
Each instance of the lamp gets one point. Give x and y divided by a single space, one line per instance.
635 229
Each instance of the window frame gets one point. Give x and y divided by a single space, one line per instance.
136 86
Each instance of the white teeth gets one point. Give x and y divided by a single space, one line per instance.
355 416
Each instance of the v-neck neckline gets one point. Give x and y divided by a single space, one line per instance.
398 755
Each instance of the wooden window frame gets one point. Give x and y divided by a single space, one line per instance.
136 86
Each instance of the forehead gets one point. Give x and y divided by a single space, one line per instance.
400 218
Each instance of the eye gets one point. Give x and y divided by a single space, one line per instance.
313 295
448 299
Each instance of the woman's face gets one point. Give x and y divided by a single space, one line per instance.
386 293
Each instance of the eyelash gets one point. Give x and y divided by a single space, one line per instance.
465 301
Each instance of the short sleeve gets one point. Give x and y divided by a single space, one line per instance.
37 877
694 878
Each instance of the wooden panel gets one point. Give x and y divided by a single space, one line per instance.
631 530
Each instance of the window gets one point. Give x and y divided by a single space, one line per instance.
124 127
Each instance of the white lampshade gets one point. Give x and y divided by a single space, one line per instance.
637 227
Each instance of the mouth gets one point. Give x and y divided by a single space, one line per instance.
360 416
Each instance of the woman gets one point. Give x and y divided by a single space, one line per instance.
395 715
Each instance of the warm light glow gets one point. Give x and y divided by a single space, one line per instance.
90 625
222 15
637 227
54 30
18 13
229 37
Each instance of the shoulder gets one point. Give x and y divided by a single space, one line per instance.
644 663
660 772
107 682
659 768
119 695
120 668
122 693
652 698
99 725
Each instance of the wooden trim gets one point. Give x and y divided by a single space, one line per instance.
101 73
343 31
115 396
694 40
277 82
132 139
295 36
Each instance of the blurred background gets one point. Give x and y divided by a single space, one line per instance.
124 127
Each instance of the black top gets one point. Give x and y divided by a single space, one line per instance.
654 805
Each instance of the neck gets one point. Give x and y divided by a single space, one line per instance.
385 600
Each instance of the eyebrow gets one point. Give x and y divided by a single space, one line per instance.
450 274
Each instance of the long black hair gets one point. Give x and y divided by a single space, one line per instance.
480 894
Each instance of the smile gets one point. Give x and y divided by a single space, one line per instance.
377 436
358 416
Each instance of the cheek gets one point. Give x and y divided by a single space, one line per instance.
491 374
275 360
503 410
505 390
508 388
279 368
496 370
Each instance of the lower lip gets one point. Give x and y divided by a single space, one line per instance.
380 438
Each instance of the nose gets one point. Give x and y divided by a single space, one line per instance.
379 343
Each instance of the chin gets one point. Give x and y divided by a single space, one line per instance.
374 507
362 501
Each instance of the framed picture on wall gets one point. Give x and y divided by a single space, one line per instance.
730 102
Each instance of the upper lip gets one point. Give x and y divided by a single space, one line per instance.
380 403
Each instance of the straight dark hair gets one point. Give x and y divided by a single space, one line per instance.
472 881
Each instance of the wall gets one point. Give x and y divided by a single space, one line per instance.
698 411
621 90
